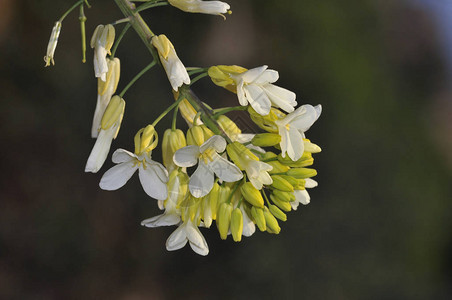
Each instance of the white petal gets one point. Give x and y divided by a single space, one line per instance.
295 145
269 76
152 184
281 97
177 239
187 156
258 99
117 176
121 155
248 225
252 74
100 150
244 137
217 142
98 113
159 169
241 93
224 169
197 241
207 7
310 183
302 196
166 219
201 182
294 205
306 116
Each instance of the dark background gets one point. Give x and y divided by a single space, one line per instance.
378 226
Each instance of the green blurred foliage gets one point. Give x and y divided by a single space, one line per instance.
378 225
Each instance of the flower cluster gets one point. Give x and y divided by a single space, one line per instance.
213 171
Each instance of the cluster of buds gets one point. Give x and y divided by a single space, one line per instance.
212 171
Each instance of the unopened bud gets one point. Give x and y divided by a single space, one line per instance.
267 122
207 132
195 136
304 161
221 76
237 224
224 219
277 212
285 206
114 112
112 77
302 173
281 184
311 147
271 222
283 196
259 218
239 154
252 195
228 126
266 139
277 167
173 140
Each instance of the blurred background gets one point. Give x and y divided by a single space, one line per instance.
378 226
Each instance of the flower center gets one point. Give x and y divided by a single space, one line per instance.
207 155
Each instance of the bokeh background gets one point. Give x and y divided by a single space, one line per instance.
379 224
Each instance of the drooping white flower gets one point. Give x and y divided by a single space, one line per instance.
187 232
177 190
248 225
52 44
302 196
292 128
105 91
153 175
209 163
257 171
175 70
255 87
110 123
199 6
102 41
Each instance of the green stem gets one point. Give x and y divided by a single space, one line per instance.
163 114
265 196
124 20
270 159
198 77
233 191
192 71
83 19
118 40
222 111
150 5
173 124
147 68
70 10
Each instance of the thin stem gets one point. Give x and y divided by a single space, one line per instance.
233 191
173 124
70 10
83 19
192 71
270 159
222 111
198 77
163 114
124 20
118 40
147 68
240 202
150 5
265 196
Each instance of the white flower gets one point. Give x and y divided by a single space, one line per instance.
52 44
110 123
248 225
292 128
102 41
255 87
187 232
198 6
153 175
106 89
209 162
302 196
175 70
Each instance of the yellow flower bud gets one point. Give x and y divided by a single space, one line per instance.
223 195
252 195
271 222
281 184
114 71
277 167
207 132
293 181
238 153
305 160
221 76
267 122
224 219
268 155
195 136
237 224
266 139
173 140
104 35
259 218
113 113
277 212
302 173
283 196
228 126
285 206
311 147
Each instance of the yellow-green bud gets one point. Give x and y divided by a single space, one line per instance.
221 76
285 206
281 184
305 160
212 199
206 212
293 181
259 218
283 196
113 113
237 224
207 132
277 167
266 139
300 184
252 195
277 212
195 136
271 222
173 140
224 219
105 35
239 154
268 155
223 194
229 127
267 122
114 70
302 173
311 147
